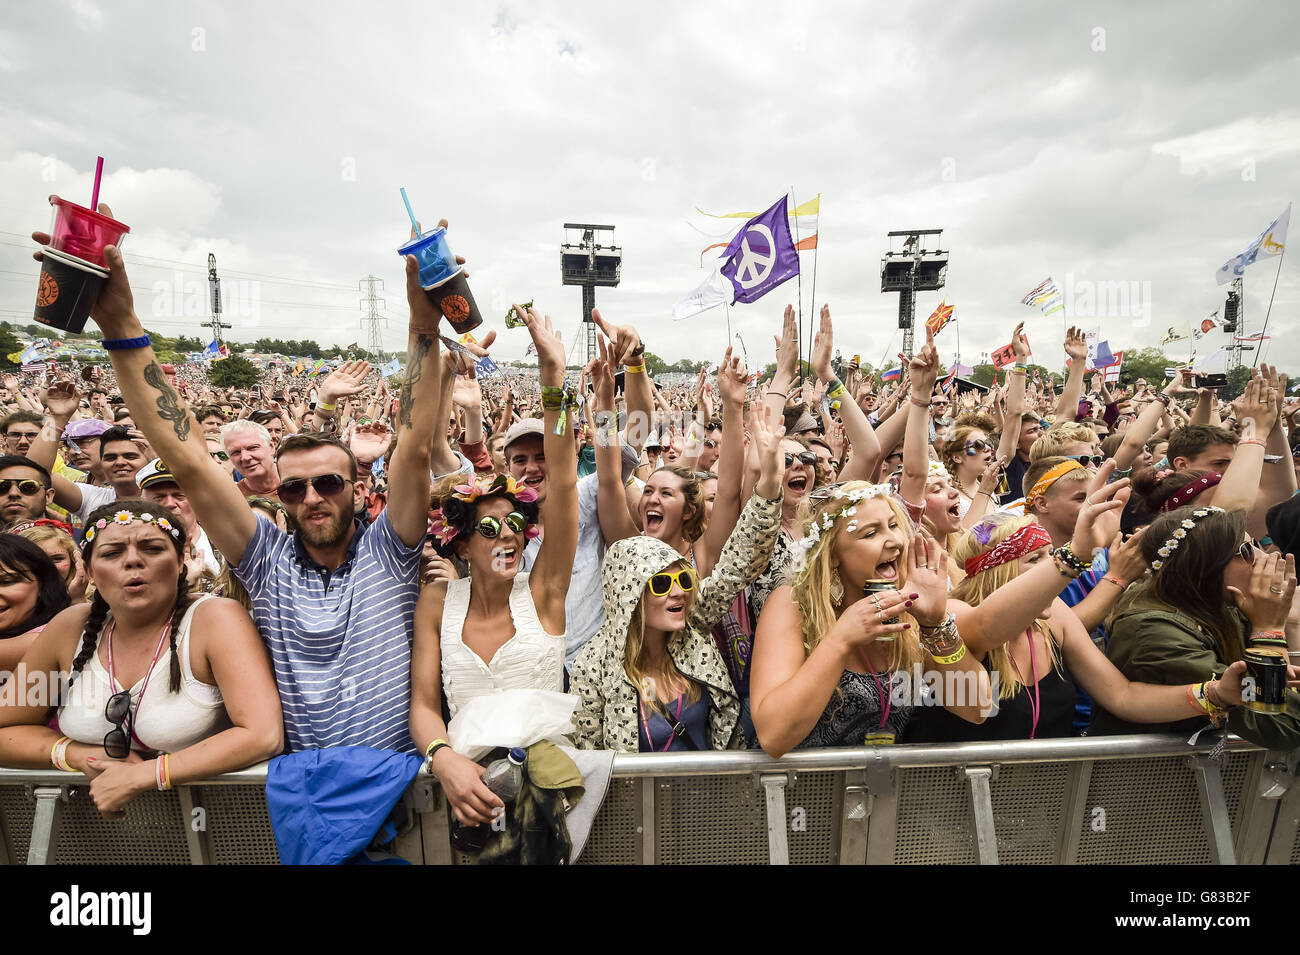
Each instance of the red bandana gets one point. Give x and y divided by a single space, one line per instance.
1189 491
1024 541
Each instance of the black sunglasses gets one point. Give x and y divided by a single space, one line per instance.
489 526
26 486
219 455
805 457
975 447
1247 551
294 490
117 743
1086 459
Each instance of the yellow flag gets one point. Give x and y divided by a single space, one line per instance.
809 208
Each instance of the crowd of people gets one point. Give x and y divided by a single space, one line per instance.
212 578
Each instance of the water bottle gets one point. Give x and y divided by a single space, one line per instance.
505 776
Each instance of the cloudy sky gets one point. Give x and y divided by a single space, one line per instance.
1142 144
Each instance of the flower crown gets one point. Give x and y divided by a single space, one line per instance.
446 532
1171 545
124 517
828 519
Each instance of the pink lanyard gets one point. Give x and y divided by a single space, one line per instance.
113 681
646 723
884 697
1035 704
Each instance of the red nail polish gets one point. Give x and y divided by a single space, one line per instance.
907 626
914 596
908 604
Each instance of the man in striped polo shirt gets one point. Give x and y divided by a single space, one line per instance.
334 602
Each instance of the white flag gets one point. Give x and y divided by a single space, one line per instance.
1214 364
1207 325
1270 242
716 290
1090 337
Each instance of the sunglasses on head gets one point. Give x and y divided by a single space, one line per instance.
805 457
489 526
27 487
117 743
975 447
294 490
1087 459
661 583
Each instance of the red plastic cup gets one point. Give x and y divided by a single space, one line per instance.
83 233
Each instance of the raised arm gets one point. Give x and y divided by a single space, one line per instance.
628 351
1015 396
924 367
1076 347
733 379
1140 431
862 437
549 581
612 506
164 418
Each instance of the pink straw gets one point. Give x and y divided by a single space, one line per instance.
94 196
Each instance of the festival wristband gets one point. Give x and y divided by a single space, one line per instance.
835 389
124 344
321 406
1116 581
58 754
638 369
918 402
951 658
1251 441
432 748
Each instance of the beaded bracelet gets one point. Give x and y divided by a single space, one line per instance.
1116 581
1075 562
1064 569
125 344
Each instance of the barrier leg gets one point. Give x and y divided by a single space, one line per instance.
778 842
196 825
4 844
853 818
435 825
981 799
1076 807
1259 801
1288 817
45 824
1214 810
645 823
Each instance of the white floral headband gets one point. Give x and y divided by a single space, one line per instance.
124 517
1171 545
851 501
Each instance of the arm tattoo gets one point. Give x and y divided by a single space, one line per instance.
169 406
414 372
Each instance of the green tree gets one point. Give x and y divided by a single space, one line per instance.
9 344
233 372
654 365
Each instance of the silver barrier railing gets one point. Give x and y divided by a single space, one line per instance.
1119 799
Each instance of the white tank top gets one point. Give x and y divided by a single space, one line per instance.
531 659
165 722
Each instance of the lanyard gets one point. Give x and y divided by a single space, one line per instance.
645 722
162 638
1035 702
885 701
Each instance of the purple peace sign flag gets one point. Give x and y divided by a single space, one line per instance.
762 254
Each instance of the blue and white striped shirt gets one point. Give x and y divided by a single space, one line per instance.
340 642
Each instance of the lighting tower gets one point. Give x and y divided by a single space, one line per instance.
590 263
214 295
914 269
1234 323
372 319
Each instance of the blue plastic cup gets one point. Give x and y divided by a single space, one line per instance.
437 264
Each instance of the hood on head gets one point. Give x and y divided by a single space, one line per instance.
629 563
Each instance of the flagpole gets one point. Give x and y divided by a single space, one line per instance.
1268 311
799 275
958 325
727 306
813 314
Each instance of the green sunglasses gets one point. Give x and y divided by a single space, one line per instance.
490 526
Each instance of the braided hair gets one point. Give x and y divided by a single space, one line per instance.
99 608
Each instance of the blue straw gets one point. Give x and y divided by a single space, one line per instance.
410 212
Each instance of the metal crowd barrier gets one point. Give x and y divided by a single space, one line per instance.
1117 799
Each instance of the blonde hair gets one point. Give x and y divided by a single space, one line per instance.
811 586
1056 438
634 645
975 588
40 534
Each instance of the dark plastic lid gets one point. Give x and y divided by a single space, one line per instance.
518 755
